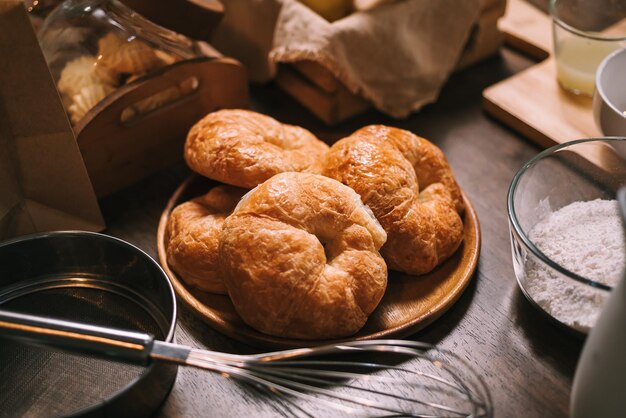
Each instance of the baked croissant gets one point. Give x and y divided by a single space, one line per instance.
245 148
408 184
192 237
299 257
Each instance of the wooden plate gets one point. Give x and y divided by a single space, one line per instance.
410 303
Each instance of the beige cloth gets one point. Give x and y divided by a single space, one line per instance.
397 55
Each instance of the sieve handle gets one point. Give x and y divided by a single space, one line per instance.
79 338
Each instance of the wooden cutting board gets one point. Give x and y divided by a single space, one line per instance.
531 102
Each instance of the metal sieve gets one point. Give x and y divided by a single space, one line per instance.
94 279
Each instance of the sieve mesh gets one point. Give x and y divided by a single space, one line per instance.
37 382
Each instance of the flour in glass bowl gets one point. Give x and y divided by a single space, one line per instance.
586 238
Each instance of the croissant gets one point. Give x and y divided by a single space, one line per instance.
192 237
408 184
299 257
245 148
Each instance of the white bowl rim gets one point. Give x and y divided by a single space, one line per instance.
600 86
518 228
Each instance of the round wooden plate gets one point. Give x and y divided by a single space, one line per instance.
410 303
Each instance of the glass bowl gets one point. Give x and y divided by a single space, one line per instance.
568 246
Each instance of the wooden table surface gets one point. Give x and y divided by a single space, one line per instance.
527 362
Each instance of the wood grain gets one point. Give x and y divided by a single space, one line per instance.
331 102
119 153
410 303
526 361
532 102
527 29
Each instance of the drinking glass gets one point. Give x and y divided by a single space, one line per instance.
584 33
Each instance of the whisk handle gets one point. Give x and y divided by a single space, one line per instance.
128 346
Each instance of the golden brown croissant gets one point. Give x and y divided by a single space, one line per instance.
408 184
245 148
300 258
192 237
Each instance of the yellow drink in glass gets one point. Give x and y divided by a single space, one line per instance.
584 33
577 60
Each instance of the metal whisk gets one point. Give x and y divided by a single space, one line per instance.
379 377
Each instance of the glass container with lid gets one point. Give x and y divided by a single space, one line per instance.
94 47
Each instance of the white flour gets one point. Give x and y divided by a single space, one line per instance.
586 238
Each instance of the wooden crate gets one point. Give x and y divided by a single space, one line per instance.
118 152
317 89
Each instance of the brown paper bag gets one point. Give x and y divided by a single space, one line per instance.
44 185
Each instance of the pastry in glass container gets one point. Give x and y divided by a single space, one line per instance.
94 47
